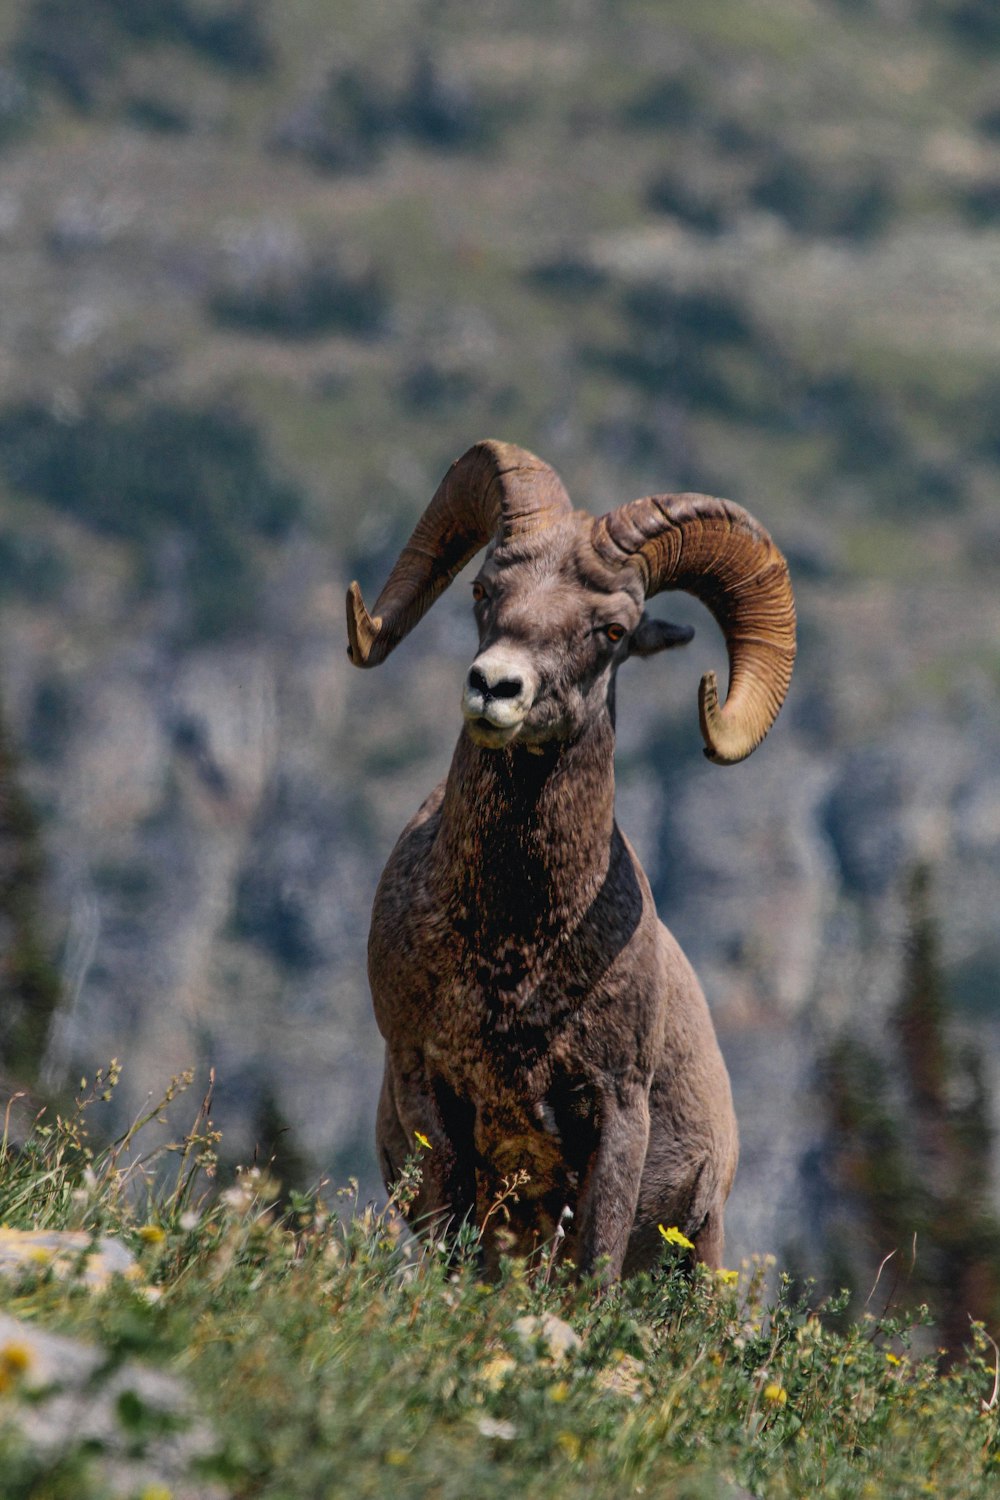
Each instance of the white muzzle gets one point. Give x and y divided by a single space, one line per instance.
499 690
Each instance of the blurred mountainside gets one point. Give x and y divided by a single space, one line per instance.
265 271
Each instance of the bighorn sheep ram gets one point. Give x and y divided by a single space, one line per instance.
537 1015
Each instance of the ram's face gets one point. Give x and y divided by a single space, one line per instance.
554 627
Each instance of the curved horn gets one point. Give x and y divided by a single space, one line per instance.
717 551
494 488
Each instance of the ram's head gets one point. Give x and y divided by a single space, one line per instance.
559 600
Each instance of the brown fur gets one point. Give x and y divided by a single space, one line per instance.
537 1015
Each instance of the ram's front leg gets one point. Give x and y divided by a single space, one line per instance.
610 1193
417 1118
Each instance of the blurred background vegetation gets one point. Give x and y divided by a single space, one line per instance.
266 270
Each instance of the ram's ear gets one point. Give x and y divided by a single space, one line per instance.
651 636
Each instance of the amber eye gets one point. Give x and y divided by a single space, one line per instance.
478 593
614 632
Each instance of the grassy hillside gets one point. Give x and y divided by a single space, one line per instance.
327 1356
747 250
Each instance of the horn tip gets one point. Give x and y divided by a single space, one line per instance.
714 731
362 630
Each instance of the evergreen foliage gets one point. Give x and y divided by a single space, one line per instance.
29 982
912 1147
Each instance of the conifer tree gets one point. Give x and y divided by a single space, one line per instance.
911 1149
29 983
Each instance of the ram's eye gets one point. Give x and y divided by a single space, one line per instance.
478 593
614 633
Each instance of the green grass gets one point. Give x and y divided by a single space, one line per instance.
333 1357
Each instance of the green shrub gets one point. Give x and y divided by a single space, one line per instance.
54 711
822 199
343 126
676 193
666 104
301 297
17 107
30 566
77 49
700 348
131 474
976 23
441 109
276 919
156 472
568 275
157 115
980 203
346 124
872 443
429 386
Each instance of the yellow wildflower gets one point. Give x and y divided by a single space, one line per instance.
396 1456
156 1492
422 1140
495 1371
892 1359
776 1394
152 1234
16 1358
559 1391
673 1236
727 1277
570 1444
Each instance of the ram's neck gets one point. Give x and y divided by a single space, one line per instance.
526 839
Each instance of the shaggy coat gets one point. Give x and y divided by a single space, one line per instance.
542 1027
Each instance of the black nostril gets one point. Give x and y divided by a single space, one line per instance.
507 687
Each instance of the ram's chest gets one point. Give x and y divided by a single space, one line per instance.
517 1054
480 999
530 1103
493 1049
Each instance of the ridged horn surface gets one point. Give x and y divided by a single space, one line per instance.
495 489
717 551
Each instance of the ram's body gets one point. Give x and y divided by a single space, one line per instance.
539 1019
545 1021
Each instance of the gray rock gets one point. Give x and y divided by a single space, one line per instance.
65 1253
